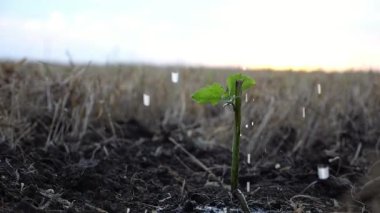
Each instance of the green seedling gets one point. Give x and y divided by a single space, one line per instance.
231 95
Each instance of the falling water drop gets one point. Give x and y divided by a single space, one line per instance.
319 89
249 158
303 112
323 172
146 100
248 186
277 166
175 77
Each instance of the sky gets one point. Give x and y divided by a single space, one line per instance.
277 34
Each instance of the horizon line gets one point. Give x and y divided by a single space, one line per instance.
247 68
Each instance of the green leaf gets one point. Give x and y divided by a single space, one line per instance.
231 82
210 94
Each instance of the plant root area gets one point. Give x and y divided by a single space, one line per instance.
138 170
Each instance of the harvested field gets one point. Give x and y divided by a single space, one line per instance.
77 138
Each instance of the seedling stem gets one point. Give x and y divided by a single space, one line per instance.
231 95
236 142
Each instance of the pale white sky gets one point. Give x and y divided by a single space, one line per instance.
329 34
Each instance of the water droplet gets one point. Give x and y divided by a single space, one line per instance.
146 100
277 166
319 88
248 186
246 126
249 158
128 210
323 172
246 97
252 123
22 186
303 112
175 77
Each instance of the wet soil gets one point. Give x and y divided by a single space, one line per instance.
144 171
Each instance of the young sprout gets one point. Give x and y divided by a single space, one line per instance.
231 95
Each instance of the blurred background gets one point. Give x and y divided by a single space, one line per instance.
294 34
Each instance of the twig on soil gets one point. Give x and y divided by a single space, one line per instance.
305 196
294 205
173 173
54 197
242 201
166 198
97 147
45 206
138 143
358 149
183 164
106 150
183 187
25 132
237 193
96 208
308 186
196 161
337 158
256 190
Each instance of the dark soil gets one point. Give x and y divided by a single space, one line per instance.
143 170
